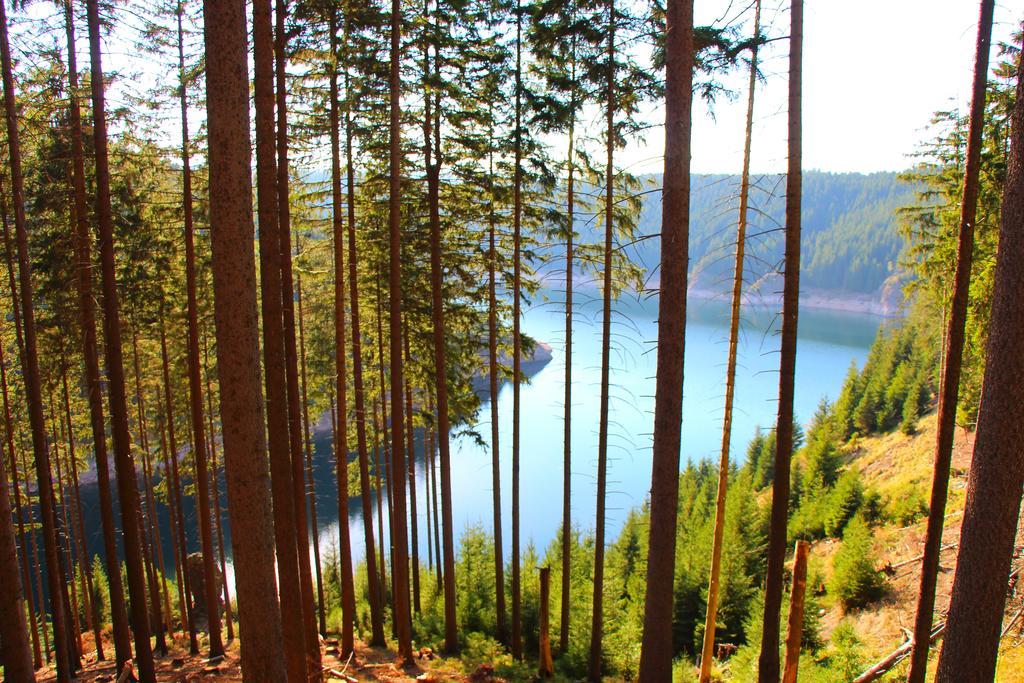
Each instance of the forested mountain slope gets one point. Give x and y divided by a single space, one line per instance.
851 237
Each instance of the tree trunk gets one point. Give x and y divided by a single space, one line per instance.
63 486
127 486
656 647
411 458
493 385
768 663
597 617
218 527
426 493
173 503
87 312
308 604
348 597
566 608
381 455
949 387
547 667
285 530
996 478
195 390
37 570
92 610
517 343
399 571
30 368
234 283
711 617
155 554
373 587
69 598
17 655
433 168
215 493
16 486
432 450
176 484
794 632
308 444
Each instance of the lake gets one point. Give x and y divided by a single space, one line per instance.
828 342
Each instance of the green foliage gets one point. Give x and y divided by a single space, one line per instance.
906 508
845 655
895 384
742 556
760 460
843 502
850 239
474 575
931 224
855 582
100 590
743 665
574 662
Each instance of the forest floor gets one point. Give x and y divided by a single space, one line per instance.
368 664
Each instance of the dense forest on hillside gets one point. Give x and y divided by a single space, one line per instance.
851 243
250 245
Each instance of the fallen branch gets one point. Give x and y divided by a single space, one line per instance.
895 657
334 673
348 661
1011 622
918 558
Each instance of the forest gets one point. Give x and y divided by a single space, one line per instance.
273 274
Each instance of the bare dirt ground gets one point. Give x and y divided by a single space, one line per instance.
367 664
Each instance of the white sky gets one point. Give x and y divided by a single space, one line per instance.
874 73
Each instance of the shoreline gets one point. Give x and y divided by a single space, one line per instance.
886 303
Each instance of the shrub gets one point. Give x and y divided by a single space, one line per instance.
906 508
843 502
855 582
846 654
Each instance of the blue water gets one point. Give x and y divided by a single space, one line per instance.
828 343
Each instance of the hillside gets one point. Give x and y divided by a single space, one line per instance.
898 467
851 240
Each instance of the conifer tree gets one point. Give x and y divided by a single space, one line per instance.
949 385
971 644
373 578
234 282
287 294
30 364
562 38
128 494
656 650
12 470
17 657
348 599
768 662
172 447
199 446
710 625
400 543
90 355
432 161
285 529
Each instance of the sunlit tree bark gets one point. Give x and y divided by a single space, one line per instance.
656 648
